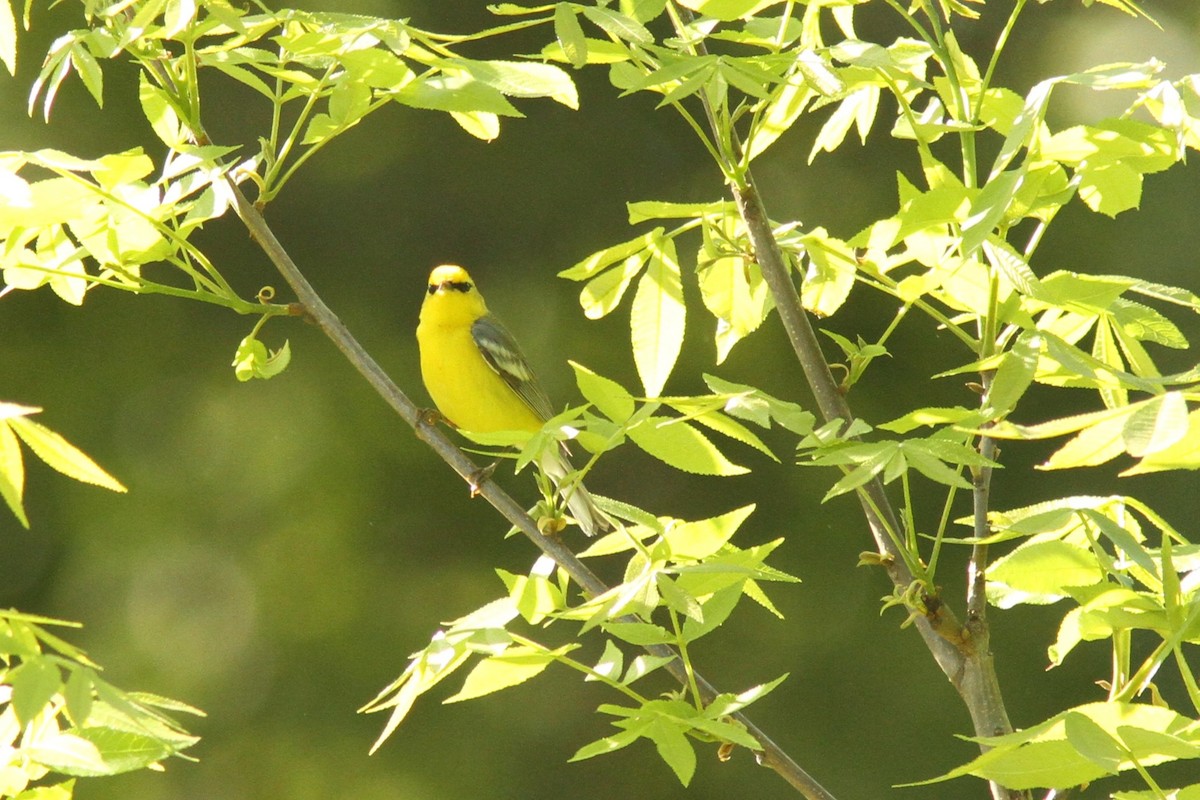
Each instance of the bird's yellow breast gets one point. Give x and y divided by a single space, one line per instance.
465 388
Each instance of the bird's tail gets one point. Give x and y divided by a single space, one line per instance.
590 518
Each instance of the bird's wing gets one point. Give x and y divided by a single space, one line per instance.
502 354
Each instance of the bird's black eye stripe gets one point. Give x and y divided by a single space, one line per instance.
458 286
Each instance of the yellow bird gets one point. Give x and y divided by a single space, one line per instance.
480 381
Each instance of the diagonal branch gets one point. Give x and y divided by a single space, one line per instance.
772 755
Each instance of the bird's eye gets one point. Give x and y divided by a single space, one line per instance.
460 286
433 287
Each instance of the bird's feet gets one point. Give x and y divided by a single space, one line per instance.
479 477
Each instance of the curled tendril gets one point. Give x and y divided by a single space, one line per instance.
266 294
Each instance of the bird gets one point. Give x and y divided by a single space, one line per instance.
480 380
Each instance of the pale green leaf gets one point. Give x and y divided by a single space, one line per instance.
1046 569
481 124
1183 454
8 37
608 396
728 10
608 256
603 293
714 611
1110 189
618 25
522 79
570 36
515 665
683 447
1159 423
33 684
674 748
1015 374
12 473
699 539
830 274
63 456
657 317
455 93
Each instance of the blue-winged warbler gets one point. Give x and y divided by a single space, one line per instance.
481 382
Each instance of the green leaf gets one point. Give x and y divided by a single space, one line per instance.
608 396
1015 374
700 539
1110 189
830 275
1159 423
602 294
252 360
63 456
515 665
989 208
12 472
160 113
611 662
1043 571
674 748
728 10
455 93
683 447
522 79
657 317
1183 454
639 633
34 683
8 37
480 124
714 611
78 696
725 704
570 36
618 25
610 255
1068 749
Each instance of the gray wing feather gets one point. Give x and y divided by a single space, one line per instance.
501 352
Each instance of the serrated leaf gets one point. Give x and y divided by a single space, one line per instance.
728 10
714 611
657 317
608 256
639 633
8 37
12 471
1046 569
63 456
78 696
514 666
683 447
569 34
699 539
522 79
34 683
608 396
618 25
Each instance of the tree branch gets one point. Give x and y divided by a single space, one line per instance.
962 652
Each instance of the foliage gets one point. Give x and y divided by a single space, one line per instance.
961 250
80 725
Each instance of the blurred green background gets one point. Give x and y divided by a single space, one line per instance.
285 545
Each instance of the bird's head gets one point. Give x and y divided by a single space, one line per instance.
450 278
452 297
